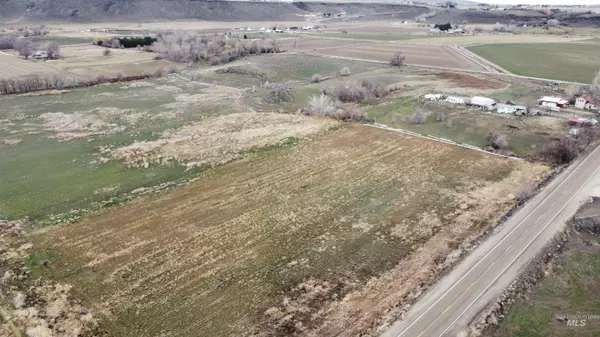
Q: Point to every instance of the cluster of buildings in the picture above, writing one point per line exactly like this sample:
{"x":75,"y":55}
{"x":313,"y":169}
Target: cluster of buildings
{"x":484,"y":103}
{"x":583,"y":102}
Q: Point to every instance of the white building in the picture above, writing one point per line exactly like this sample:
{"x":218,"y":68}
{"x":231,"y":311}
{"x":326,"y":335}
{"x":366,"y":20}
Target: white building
{"x":552,"y":102}
{"x":432,"y":97}
{"x":586,"y":102}
{"x":483,"y":102}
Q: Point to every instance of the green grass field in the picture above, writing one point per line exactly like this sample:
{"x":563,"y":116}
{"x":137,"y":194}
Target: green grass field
{"x":376,"y":37}
{"x":41,"y":176}
{"x":566,"y":62}
{"x":571,"y":290}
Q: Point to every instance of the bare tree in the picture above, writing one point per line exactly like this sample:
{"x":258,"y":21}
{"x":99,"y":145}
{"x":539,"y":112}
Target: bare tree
{"x":7,"y":42}
{"x":275,"y":44}
{"x":316,"y":78}
{"x":572,"y":91}
{"x":562,"y":151}
{"x":115,"y":43}
{"x":440,"y":116}
{"x":478,"y":30}
{"x":345,"y":71}
{"x":553,"y":23}
{"x":595,"y":87}
{"x":24,"y":47}
{"x":398,"y":59}
{"x":524,"y":191}
{"x":419,"y":116}
{"x":52,"y":49}
{"x":321,"y":105}
{"x":498,"y":141}
{"x":449,"y":123}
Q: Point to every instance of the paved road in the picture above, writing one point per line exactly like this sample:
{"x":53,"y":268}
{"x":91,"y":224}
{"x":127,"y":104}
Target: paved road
{"x":481,"y":277}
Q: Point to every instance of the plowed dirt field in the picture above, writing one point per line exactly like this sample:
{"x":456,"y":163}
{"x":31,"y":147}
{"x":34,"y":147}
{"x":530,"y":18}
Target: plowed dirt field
{"x":262,"y":244}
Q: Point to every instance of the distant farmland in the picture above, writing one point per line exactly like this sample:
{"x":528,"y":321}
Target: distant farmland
{"x":426,"y":55}
{"x":576,"y":62}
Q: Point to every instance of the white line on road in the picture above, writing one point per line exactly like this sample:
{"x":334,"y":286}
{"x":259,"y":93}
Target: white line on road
{"x":493,"y":248}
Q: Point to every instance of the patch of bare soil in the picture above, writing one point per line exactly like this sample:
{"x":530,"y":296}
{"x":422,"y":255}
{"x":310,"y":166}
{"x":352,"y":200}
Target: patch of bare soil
{"x":220,"y":139}
{"x":45,"y":93}
{"x":82,"y":124}
{"x":211,"y":95}
{"x":36,"y":308}
{"x":469,"y":81}
{"x":137,"y":84}
{"x":384,"y":299}
{"x":11,"y":141}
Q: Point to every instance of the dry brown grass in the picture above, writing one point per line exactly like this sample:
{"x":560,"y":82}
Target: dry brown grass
{"x":221,"y":139}
{"x":311,"y":223}
{"x":82,"y":124}
{"x":13,"y":66}
{"x":470,"y":81}
{"x":438,"y":56}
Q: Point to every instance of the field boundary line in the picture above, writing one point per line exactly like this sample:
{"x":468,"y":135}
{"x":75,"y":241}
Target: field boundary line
{"x":438,"y":139}
{"x":439,"y":68}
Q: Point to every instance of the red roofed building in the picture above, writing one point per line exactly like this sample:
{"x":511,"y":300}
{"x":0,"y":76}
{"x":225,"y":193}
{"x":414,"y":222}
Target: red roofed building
{"x":586,"y":102}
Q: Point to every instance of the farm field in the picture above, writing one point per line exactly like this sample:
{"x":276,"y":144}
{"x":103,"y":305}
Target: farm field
{"x":84,"y":62}
{"x":367,"y":36}
{"x":72,"y":135}
{"x":88,"y":61}
{"x":487,"y":38}
{"x":14,"y":67}
{"x":309,"y":43}
{"x":437,"y":56}
{"x":208,"y":200}
{"x":237,"y":241}
{"x":573,"y":62}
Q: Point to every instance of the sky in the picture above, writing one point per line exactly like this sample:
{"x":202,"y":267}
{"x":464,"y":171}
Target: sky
{"x":549,"y":2}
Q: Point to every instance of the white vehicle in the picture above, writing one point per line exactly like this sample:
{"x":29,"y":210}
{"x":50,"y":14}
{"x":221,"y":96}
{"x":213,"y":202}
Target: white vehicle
{"x":455,"y":100}
{"x":432,"y":97}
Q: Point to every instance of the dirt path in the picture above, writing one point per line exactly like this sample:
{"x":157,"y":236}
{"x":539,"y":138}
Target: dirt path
{"x":437,"y":139}
{"x":239,"y":91}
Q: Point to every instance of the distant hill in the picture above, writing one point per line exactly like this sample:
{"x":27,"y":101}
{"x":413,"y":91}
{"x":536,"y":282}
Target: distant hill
{"x":143,"y":10}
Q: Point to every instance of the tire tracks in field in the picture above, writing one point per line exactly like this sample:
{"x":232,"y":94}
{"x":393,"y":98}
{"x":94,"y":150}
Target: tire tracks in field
{"x":237,"y":99}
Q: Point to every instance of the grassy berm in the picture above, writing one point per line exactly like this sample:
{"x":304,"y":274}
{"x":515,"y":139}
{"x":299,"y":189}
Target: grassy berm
{"x":572,"y":289}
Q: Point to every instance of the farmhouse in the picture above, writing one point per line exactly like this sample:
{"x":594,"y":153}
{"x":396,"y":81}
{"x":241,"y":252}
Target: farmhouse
{"x":552,"y":102}
{"x":483,"y":102}
{"x":586,"y":102}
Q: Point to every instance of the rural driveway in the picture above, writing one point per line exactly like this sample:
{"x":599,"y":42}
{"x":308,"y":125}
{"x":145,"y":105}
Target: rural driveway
{"x":448,"y":308}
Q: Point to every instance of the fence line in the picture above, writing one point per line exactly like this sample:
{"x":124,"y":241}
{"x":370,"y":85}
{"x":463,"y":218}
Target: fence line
{"x":438,"y":139}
